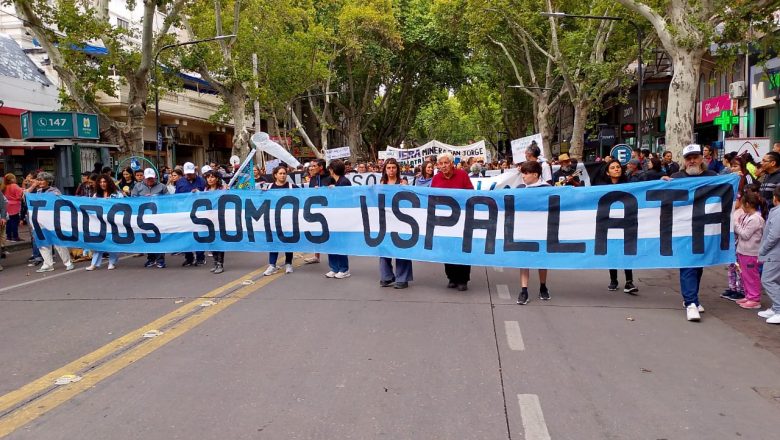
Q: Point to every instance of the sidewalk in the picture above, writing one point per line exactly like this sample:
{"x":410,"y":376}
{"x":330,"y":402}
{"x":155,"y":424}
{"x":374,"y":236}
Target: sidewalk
{"x":24,"y":234}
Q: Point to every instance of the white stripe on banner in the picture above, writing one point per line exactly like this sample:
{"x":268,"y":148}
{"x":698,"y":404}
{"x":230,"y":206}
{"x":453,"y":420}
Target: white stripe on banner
{"x":682,"y":223}
{"x":571,"y":224}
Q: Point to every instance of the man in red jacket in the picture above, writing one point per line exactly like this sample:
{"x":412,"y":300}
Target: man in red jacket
{"x":450,"y":177}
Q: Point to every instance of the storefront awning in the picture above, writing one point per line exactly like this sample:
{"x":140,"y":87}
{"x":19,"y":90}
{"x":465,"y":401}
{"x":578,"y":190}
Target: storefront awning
{"x":49,"y":145}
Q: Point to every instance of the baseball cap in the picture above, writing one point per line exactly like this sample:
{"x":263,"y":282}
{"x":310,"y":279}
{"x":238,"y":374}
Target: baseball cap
{"x":692,"y":149}
{"x":149,"y":173}
{"x":205,"y":169}
{"x":189,"y":168}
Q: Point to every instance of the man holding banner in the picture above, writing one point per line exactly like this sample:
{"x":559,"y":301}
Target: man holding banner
{"x":449,"y":177}
{"x":690,"y":277}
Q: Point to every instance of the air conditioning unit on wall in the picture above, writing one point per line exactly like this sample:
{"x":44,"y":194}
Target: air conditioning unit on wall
{"x":737,"y":90}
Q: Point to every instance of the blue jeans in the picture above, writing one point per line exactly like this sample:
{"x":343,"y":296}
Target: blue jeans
{"x":338,"y":263}
{"x":273,"y":256}
{"x":403,"y":270}
{"x":36,"y":253}
{"x":690,"y":277}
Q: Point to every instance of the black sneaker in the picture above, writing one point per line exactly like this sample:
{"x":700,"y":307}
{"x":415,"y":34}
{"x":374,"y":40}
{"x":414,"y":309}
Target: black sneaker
{"x":727,"y":294}
{"x":630,"y":288}
{"x":736,"y":296}
{"x":544,"y":294}
{"x":522,"y":299}
{"x":386,"y":283}
{"x":451,"y":285}
{"x":150,"y":263}
{"x":613,"y":285}
{"x":187,"y":263}
{"x":200,"y":262}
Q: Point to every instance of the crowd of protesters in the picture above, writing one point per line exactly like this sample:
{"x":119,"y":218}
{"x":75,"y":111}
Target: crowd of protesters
{"x":756,"y":222}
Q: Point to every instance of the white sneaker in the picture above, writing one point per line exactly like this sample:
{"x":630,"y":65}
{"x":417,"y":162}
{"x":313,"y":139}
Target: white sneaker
{"x":70,"y":266}
{"x":288,"y":268}
{"x":768,"y":313}
{"x":774,"y":319}
{"x":330,"y":274}
{"x":111,"y":267}
{"x":272,"y":269}
{"x":701,"y":308}
{"x":43,"y":269}
{"x":342,"y":275}
{"x":692,"y":313}
{"x":90,"y":268}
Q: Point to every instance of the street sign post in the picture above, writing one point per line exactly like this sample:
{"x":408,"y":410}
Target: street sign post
{"x":621,"y":153}
{"x":59,"y":125}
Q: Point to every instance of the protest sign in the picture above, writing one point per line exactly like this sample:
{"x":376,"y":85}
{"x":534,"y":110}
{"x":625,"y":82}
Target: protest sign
{"x":519,"y":146}
{"x":337,"y":153}
{"x":659,"y":224}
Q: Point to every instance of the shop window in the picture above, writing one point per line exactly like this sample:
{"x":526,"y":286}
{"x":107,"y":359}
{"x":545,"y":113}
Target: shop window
{"x":713,"y":84}
{"x":702,"y":93}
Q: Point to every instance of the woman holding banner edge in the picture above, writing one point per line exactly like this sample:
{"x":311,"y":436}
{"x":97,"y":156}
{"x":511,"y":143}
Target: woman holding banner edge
{"x":403,"y":268}
{"x":339,"y":264}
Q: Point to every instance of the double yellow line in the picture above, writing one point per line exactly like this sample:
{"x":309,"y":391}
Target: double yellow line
{"x":20,"y":407}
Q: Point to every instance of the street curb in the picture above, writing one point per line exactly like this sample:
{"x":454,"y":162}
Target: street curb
{"x":18,"y":246}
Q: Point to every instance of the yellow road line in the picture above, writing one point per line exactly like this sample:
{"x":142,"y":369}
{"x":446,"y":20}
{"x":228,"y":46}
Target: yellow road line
{"x":26,"y":414}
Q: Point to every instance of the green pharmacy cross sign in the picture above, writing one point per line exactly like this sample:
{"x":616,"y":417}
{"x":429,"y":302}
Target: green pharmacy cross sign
{"x":59,"y":125}
{"x":727,"y":120}
{"x":774,"y":81}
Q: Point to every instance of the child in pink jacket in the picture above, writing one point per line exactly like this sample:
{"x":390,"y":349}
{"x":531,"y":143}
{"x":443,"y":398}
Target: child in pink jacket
{"x":748,"y":228}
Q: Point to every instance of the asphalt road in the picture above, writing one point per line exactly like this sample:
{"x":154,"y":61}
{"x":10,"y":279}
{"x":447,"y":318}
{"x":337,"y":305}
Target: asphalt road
{"x":304,"y":357}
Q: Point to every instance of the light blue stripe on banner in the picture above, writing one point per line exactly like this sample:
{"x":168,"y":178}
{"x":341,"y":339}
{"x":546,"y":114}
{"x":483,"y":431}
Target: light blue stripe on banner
{"x":450,"y":250}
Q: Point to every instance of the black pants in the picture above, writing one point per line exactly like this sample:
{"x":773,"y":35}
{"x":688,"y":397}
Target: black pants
{"x":219,"y":257}
{"x":200,"y":255}
{"x":458,"y":273}
{"x":613,"y":275}
{"x":157,"y":258}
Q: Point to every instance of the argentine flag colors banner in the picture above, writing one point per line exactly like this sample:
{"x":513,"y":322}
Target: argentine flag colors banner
{"x":680,"y":223}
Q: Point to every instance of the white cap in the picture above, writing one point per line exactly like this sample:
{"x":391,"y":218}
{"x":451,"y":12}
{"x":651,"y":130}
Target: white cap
{"x":189,"y":168}
{"x":205,"y":169}
{"x":235,"y":160}
{"x":150,"y":174}
{"x":692,"y":149}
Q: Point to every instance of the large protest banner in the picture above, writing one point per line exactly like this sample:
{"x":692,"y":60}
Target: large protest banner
{"x":681,"y":223}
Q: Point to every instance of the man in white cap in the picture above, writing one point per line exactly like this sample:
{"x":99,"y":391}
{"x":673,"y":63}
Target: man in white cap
{"x":148,"y":188}
{"x":690,"y":277}
{"x":189,"y":184}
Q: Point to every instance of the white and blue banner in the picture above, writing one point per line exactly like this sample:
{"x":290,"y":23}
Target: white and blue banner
{"x":660,"y":224}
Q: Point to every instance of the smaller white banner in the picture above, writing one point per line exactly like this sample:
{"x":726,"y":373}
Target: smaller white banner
{"x":337,"y":153}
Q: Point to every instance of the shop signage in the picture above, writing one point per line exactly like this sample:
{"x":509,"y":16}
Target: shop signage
{"x":726,"y":120}
{"x":711,"y":108}
{"x":774,"y":80}
{"x":59,"y":125}
{"x":628,"y":130}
